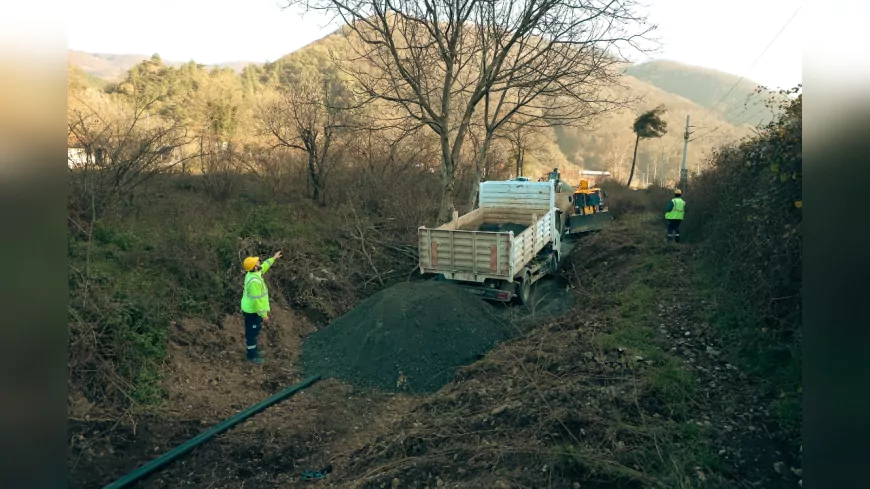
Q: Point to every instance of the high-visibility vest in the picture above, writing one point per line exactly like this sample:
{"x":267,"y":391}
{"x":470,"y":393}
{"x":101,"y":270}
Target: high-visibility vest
{"x":255,"y":297}
{"x":678,"y":211}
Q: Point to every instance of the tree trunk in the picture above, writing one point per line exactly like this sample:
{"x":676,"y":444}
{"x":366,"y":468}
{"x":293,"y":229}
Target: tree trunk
{"x":447,"y":183}
{"x":519,"y":158}
{"x":633,"y":160}
{"x":313,"y":175}
{"x":448,"y":170}
{"x":478,"y":170}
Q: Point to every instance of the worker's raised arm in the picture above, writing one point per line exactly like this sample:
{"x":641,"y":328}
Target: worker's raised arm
{"x":268,"y":263}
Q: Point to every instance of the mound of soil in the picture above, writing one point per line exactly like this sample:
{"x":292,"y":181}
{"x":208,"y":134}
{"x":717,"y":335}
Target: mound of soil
{"x":409,"y":337}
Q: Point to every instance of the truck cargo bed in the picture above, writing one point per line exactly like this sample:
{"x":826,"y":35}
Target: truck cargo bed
{"x":514,"y":223}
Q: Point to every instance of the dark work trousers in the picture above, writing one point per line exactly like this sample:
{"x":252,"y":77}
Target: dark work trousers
{"x":253,"y":325}
{"x":674,"y":229}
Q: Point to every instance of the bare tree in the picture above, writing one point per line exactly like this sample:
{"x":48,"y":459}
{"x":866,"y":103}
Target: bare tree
{"x":122,"y":150}
{"x":219,"y":164}
{"x":307,"y":116}
{"x":439,"y":59}
{"x":272,"y":166}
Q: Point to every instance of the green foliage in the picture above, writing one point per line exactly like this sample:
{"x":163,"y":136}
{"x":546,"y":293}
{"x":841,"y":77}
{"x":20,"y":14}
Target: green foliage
{"x":749,"y":205}
{"x":179,"y":257}
{"x":650,"y":124}
{"x":634,"y":328}
{"x":124,"y":241}
{"x":630,"y":273}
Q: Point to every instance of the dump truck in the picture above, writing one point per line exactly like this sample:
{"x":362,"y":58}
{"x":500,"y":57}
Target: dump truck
{"x":589,"y":211}
{"x":500,"y":249}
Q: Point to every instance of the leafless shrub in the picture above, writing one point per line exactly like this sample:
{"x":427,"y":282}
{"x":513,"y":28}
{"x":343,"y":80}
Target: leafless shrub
{"x":119,"y":150}
{"x":220,"y":165}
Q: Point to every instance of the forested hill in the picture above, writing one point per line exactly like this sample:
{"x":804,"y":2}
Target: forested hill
{"x":683,"y":89}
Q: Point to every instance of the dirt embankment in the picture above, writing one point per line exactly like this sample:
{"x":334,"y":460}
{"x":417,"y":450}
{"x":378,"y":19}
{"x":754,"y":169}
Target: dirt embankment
{"x":632,"y":388}
{"x":207,"y":380}
{"x":408,"y":338}
{"x":629,"y":388}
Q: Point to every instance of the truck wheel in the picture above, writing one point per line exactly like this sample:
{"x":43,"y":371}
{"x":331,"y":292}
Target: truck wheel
{"x":524,"y":292}
{"x":554,"y":264}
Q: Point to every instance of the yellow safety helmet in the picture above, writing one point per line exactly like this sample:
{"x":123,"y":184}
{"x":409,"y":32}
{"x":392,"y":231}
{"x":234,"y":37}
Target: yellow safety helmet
{"x":250,"y":262}
{"x":678,"y":192}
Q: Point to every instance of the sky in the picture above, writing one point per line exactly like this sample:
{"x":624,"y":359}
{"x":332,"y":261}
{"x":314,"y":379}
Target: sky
{"x":723,"y":35}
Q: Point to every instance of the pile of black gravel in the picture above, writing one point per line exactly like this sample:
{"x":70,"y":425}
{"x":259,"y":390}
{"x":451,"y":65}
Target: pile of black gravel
{"x":409,"y":337}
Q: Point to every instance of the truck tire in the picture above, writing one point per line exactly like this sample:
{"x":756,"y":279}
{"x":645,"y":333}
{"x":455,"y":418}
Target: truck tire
{"x":554,"y":264}
{"x":524,"y":292}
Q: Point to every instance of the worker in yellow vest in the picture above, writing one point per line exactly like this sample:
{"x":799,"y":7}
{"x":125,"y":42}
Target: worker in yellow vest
{"x":674,"y":214}
{"x":255,"y":302}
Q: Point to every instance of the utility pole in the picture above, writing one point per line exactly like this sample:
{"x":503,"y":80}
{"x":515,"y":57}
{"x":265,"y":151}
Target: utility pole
{"x":683,"y":171}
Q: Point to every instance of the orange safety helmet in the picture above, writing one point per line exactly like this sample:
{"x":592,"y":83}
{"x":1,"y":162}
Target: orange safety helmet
{"x":250,"y":262}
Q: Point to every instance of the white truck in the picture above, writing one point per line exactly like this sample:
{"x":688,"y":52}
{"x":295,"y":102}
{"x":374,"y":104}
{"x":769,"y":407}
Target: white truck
{"x":501,"y":248}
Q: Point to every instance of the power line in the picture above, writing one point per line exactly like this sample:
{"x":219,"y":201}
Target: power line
{"x":741,"y":109}
{"x":756,"y":59}
{"x":738,"y":124}
{"x":738,"y":115}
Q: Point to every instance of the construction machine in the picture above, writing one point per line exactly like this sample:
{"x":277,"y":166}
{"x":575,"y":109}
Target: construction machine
{"x":589,"y":212}
{"x":564,"y":199}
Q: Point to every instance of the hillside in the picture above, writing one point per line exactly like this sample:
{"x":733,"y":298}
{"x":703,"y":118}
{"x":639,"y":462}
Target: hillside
{"x":110,"y":67}
{"x":610,"y":143}
{"x":114,"y":67}
{"x":707,"y":87}
{"x":683,"y":89}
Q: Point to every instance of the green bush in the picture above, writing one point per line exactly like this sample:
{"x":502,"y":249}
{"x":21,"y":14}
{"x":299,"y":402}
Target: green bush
{"x":179,"y":255}
{"x":747,"y":212}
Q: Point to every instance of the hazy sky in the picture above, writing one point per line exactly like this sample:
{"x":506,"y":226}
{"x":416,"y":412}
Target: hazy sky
{"x":725,"y":35}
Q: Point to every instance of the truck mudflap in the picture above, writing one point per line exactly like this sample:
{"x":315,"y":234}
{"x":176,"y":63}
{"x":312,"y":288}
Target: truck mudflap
{"x":490,"y":294}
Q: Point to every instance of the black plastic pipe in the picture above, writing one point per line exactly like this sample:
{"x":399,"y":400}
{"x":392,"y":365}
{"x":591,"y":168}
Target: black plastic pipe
{"x":183,"y":449}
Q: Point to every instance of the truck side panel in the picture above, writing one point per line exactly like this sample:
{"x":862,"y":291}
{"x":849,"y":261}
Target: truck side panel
{"x":475,"y":255}
{"x":529,"y":242}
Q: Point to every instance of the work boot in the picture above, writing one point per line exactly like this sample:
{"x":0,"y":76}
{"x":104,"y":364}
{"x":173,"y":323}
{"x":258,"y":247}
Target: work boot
{"x":256,"y":360}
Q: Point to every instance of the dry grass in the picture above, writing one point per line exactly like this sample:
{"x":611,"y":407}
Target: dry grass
{"x":593,"y":398}
{"x":622,"y":200}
